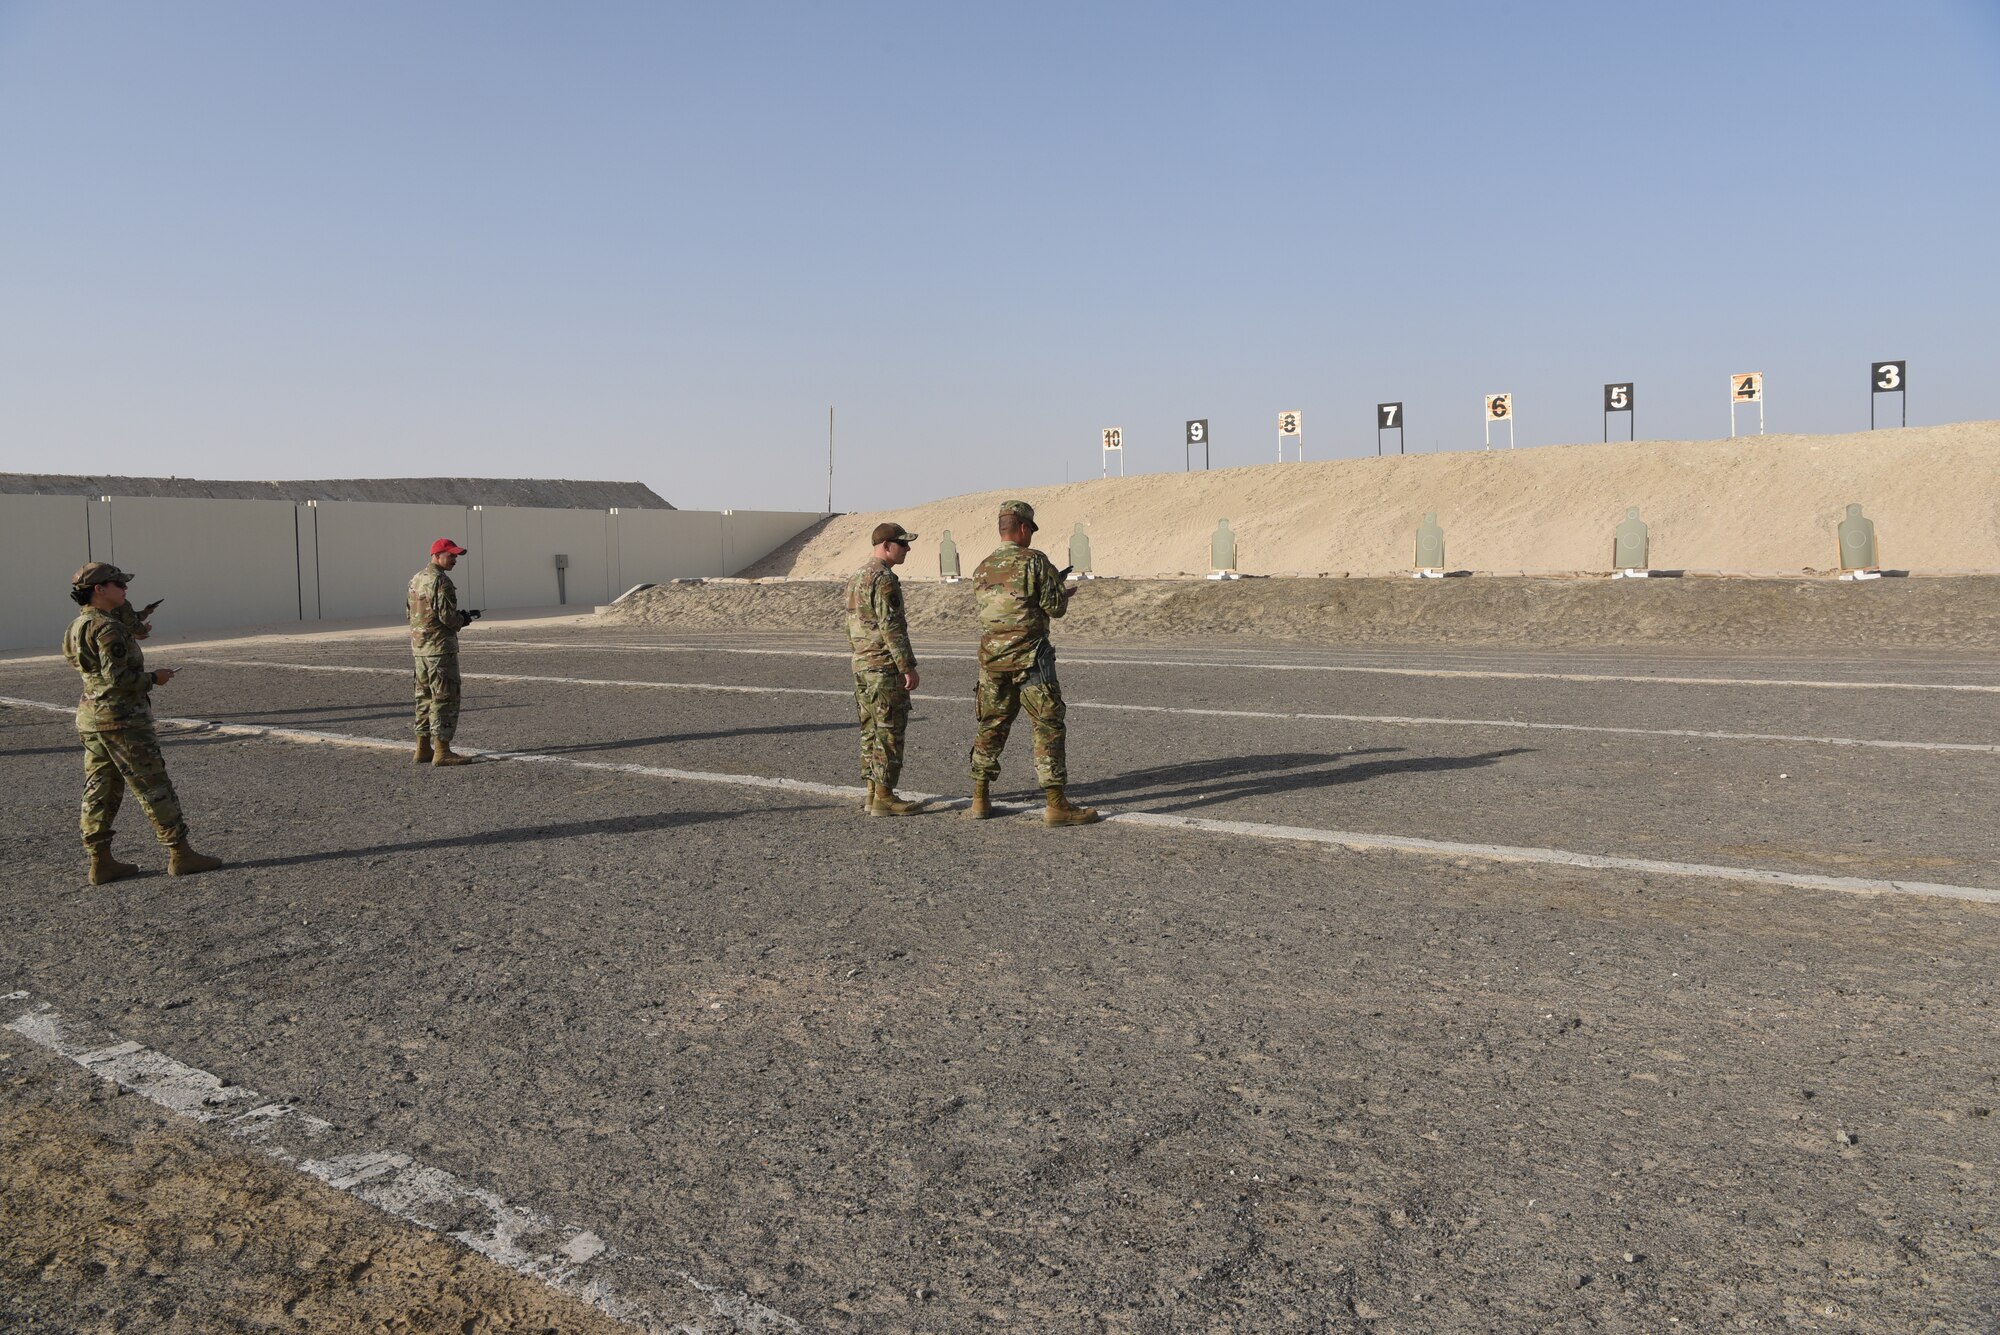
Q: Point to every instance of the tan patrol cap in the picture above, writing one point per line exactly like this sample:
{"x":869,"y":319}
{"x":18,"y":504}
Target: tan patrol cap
{"x":1020,"y":510}
{"x":96,"y":573}
{"x":891,"y":533}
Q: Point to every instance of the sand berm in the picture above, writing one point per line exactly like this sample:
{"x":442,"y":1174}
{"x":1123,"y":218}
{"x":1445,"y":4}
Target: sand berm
{"x":1339,"y":538}
{"x":1758,"y":504}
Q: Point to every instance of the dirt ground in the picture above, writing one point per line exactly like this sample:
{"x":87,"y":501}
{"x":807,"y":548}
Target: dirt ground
{"x":1775,"y":615}
{"x":116,"y":1217}
{"x":936,"y":1076}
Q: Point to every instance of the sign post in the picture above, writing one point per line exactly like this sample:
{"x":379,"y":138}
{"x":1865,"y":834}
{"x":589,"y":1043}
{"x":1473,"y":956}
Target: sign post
{"x":1114,"y":443}
{"x":1499,"y":408}
{"x":1388,"y":417}
{"x":1746,"y":387}
{"x":1292,"y":425}
{"x":1618,"y":399}
{"x":1197,"y":434}
{"x":1888,"y":378}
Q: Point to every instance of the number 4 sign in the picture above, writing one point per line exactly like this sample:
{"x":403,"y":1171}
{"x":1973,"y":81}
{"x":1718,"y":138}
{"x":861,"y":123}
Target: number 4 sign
{"x":1746,"y":387}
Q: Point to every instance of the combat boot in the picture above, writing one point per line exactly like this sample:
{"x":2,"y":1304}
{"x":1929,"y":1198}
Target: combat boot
{"x":182,"y":860}
{"x":444,"y":755}
{"x":868,"y":800}
{"x":982,"y":801}
{"x":1060,"y":812}
{"x":104,"y":869}
{"x":423,"y":755}
{"x":886,"y":803}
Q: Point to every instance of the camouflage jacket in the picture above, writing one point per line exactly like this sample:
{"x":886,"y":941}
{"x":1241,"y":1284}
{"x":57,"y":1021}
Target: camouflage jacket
{"x":117,"y":688}
{"x":434,"y":616}
{"x":876,"y":628}
{"x":1018,"y":589}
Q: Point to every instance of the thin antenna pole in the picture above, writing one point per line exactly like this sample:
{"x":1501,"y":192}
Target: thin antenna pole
{"x":829,"y":458}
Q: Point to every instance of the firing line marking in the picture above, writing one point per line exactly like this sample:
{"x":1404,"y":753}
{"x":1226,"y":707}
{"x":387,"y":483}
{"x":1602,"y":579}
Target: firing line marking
{"x":1392,"y":720}
{"x":1851,"y":885}
{"x":566,"y":1257}
{"x":1482,"y":674}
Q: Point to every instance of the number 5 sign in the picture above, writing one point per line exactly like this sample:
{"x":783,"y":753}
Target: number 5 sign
{"x":1746,"y":387}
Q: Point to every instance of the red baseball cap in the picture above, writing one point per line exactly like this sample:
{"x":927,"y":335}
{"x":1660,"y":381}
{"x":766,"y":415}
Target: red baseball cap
{"x":443,"y":545}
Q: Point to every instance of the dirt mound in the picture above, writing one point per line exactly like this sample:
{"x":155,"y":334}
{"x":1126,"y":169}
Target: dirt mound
{"x":1760,"y":504}
{"x":1944,"y":613}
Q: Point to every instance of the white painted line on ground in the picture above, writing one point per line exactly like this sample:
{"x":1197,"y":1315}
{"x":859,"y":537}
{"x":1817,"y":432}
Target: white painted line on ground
{"x":1392,"y":720}
{"x":1314,"y":667}
{"x":528,"y":1242}
{"x":1434,"y":847}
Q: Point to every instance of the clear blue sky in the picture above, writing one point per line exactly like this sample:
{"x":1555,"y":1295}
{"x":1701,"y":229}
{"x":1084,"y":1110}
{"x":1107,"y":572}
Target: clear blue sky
{"x":655,"y":241}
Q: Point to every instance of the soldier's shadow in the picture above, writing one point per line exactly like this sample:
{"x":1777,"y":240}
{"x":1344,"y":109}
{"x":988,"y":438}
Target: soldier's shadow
{"x":668,"y":739}
{"x":525,"y":834}
{"x":1210,"y":782}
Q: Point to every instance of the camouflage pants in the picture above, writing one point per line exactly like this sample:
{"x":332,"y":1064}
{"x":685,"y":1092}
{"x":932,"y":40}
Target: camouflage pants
{"x":884,"y":706}
{"x":437,"y":695}
{"x":116,"y":759}
{"x":1001,"y":696}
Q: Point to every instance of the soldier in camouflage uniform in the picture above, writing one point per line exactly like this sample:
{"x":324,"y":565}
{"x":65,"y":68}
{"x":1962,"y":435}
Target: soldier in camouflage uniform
{"x":1018,"y":589}
{"x":885,"y":668}
{"x":115,"y":720}
{"x":435,"y":622}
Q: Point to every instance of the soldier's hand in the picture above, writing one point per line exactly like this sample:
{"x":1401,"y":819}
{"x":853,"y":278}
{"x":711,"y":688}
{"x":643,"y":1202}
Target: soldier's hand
{"x":471,"y":615}
{"x":161,"y":676}
{"x":910,"y":680}
{"x":142,"y":631}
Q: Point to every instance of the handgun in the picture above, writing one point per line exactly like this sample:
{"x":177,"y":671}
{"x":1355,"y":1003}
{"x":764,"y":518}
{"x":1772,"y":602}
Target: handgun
{"x":147,"y":611}
{"x":471,"y":614}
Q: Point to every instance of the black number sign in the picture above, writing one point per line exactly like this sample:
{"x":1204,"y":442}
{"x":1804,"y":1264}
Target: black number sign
{"x":1197,"y":431}
{"x":1618,"y":398}
{"x":1388,"y":416}
{"x":1888,"y":377}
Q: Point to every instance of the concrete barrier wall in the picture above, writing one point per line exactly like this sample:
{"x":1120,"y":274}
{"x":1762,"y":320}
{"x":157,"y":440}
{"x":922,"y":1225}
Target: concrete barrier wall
{"x":367,"y":552}
{"x":217,"y":563}
{"x":516,"y":555}
{"x":43,"y":540}
{"x":224,"y":563}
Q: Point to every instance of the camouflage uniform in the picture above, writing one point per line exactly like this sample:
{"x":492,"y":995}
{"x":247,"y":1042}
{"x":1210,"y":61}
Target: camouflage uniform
{"x":115,"y":720}
{"x":434,"y":625}
{"x":1018,"y":589}
{"x":880,"y":638}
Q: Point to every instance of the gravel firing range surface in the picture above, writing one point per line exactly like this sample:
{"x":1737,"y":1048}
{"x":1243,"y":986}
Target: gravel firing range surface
{"x":925,"y":1075}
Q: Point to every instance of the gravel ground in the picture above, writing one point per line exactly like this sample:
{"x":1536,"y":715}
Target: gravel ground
{"x":926,"y":1075}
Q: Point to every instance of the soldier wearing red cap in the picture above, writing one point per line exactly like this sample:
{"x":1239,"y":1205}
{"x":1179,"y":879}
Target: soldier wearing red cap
{"x":115,"y":720}
{"x":434,"y":625}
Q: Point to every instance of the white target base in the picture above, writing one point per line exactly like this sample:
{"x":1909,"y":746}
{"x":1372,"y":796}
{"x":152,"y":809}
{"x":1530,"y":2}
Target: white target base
{"x":1861,"y":574}
{"x":1427,"y":574}
{"x":1631,"y":574}
{"x":950,"y":579}
{"x":1224,"y":574}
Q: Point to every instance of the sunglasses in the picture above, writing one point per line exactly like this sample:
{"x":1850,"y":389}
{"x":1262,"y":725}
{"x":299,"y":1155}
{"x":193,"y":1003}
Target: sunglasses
{"x":119,"y":583}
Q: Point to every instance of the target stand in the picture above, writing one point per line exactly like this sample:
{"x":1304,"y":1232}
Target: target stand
{"x":1389,"y":417}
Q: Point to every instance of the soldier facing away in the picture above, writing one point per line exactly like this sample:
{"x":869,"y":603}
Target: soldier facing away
{"x":115,"y":720}
{"x":1018,"y":589}
{"x":434,"y":625}
{"x":885,"y":667}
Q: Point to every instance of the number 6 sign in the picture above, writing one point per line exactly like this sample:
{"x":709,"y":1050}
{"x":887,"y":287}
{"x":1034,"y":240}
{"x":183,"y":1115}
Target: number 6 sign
{"x":1499,"y":408}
